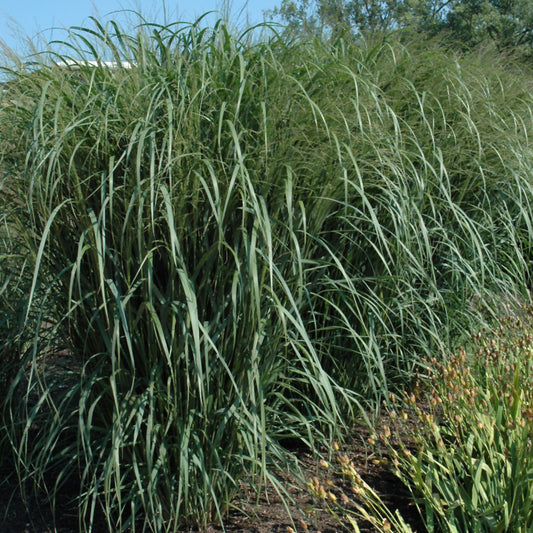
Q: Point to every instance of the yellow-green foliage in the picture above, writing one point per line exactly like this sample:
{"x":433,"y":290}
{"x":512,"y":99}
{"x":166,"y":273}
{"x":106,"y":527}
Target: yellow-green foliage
{"x":470,"y":463}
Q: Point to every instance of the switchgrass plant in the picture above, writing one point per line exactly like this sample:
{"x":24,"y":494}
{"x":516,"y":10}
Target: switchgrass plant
{"x":470,"y":466}
{"x":158,"y":261}
{"x":236,"y":240}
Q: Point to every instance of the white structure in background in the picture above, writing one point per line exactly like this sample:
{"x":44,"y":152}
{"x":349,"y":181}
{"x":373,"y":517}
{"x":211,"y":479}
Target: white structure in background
{"x":75,"y":65}
{"x":72,"y":64}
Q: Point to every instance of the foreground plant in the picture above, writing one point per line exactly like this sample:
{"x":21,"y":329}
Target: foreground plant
{"x":470,"y":463}
{"x":350,"y":499}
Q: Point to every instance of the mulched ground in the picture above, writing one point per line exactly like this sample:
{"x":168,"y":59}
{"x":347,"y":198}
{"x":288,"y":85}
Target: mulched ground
{"x":268,"y":515}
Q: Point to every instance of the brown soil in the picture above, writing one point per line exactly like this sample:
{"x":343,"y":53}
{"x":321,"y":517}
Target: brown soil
{"x":267,"y":515}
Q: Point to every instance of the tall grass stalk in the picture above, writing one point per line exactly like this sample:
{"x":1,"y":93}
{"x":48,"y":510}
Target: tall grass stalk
{"x":236,"y":241}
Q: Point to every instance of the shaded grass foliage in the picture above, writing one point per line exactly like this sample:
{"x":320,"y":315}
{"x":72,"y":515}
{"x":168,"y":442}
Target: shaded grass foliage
{"x":237,"y":240}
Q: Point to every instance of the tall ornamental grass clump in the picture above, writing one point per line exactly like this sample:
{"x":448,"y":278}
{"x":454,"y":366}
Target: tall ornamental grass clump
{"x":235,"y":241}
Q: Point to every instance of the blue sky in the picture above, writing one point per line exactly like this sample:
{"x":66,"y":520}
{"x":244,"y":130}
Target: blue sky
{"x":34,"y":18}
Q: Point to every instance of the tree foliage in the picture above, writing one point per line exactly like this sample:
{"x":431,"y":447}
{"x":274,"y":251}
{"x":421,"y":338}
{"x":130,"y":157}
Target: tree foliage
{"x":508,"y":23}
